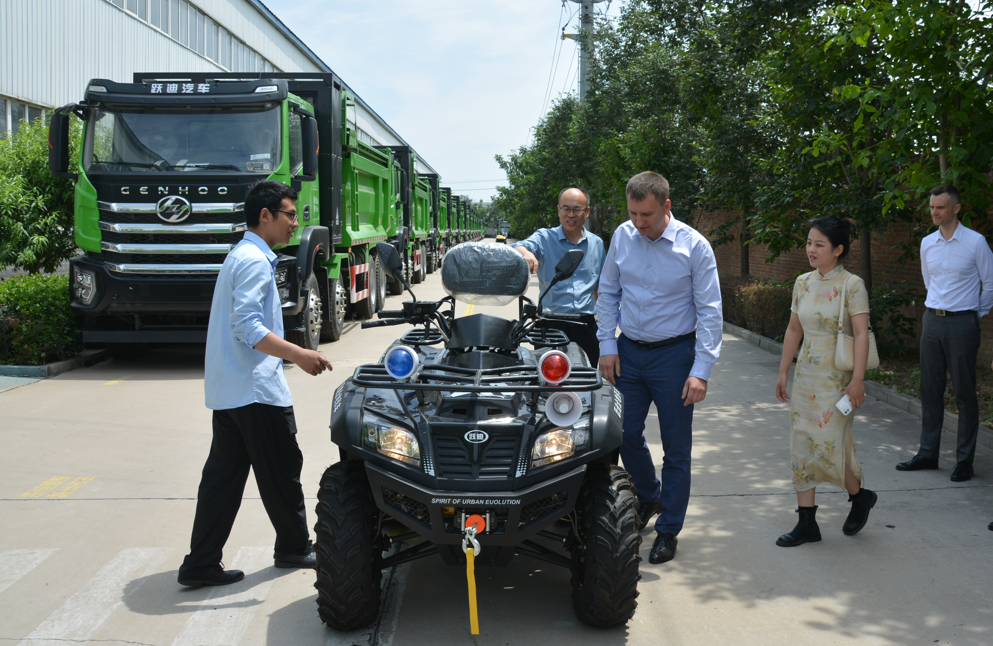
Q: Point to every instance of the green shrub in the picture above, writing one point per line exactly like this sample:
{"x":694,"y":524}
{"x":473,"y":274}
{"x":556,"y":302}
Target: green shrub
{"x":731,"y":298}
{"x":36,"y":208}
{"x":36,"y":324}
{"x":895,"y":330}
{"x":765,"y":308}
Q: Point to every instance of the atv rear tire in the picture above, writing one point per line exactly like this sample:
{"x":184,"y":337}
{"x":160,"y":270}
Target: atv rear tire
{"x":348,"y":577}
{"x":605,"y":584}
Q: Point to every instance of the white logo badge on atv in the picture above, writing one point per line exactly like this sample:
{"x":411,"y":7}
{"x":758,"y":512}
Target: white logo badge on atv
{"x":477,"y":437}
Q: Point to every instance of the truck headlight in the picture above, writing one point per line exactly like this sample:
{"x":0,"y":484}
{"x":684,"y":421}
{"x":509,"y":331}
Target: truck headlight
{"x":84,"y":285}
{"x":282,"y":275}
{"x":393,"y":442}
{"x":560,"y":443}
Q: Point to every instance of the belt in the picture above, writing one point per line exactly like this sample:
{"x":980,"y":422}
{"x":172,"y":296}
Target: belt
{"x":661,"y":344}
{"x":947,"y":313}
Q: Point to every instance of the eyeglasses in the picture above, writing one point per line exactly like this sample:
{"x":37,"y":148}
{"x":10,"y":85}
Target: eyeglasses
{"x":293,"y":216}
{"x":577,"y":210}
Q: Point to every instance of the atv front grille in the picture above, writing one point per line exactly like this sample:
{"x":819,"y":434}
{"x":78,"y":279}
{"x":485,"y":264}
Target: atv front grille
{"x":407,"y":506}
{"x":454,"y":458}
{"x":545,"y":507}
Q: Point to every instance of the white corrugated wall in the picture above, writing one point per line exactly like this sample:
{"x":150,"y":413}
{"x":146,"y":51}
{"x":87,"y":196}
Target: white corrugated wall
{"x":49,"y":49}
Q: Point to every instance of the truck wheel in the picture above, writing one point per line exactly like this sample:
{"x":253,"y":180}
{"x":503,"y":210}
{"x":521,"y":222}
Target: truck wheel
{"x":395,"y":287}
{"x":381,"y":281}
{"x":348,"y":578}
{"x":431,"y":263}
{"x":331,"y":329}
{"x":417,"y":267}
{"x":605,"y":583}
{"x":310,"y":337}
{"x":366,"y":308}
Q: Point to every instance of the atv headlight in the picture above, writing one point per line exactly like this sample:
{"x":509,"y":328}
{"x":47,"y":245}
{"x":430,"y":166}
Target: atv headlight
{"x":393,"y":442}
{"x":560,"y":443}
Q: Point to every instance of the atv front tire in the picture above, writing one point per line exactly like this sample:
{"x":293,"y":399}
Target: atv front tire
{"x":605,"y":583}
{"x":348,"y":576}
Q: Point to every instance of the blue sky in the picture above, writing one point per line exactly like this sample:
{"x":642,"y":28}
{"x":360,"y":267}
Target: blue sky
{"x":460,"y":80}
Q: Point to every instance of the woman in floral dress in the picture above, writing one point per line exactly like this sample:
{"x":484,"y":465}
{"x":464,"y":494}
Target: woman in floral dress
{"x":821,"y":445}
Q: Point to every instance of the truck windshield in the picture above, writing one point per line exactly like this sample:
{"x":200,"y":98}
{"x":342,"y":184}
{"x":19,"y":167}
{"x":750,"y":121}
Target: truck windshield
{"x":228,"y":139}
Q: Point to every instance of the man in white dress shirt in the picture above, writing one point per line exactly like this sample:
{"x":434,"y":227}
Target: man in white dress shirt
{"x":659,"y":285}
{"x":955,"y":262}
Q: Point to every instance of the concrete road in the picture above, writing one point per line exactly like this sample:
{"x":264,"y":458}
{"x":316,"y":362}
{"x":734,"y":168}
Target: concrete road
{"x":100,"y":467}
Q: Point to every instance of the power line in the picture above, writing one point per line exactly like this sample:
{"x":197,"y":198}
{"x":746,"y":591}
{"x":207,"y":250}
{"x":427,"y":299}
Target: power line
{"x":548,"y":84}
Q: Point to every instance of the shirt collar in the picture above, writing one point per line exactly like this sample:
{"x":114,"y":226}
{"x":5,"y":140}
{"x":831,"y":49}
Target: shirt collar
{"x":562,"y":235}
{"x":670,"y":230}
{"x":255,"y":239}
{"x":831,"y":274}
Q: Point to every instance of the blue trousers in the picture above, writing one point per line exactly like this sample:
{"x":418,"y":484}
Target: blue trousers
{"x":658,"y":376}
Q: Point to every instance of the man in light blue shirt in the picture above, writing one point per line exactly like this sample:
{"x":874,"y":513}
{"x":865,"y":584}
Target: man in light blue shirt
{"x":659,"y":285}
{"x":577,"y":294}
{"x":253,"y":422}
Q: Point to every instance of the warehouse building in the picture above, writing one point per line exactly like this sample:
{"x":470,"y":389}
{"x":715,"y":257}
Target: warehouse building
{"x":49,"y":49}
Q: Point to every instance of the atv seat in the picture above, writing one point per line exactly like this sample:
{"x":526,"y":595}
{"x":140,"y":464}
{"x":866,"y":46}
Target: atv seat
{"x":484,"y":273}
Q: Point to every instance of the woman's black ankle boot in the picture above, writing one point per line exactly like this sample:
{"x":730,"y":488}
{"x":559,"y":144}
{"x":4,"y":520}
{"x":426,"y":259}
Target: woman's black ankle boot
{"x":806,"y":530}
{"x":862,"y":502}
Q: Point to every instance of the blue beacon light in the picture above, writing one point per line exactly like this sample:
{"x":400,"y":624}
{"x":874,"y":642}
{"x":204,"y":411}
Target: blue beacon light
{"x":401,"y":362}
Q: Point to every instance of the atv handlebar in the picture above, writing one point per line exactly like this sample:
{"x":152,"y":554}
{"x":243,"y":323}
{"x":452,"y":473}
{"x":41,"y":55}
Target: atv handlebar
{"x":383,"y":323}
{"x":390,"y":314}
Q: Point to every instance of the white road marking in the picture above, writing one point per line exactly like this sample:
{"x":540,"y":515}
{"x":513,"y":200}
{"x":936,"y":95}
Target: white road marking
{"x":225,"y":614}
{"x":381,"y":632}
{"x":16,"y":563}
{"x":89,"y":608}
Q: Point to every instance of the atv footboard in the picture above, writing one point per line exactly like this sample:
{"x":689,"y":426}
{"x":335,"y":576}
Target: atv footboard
{"x":512,"y":517}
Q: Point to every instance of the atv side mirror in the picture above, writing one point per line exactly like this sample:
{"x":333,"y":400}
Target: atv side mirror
{"x":569,"y":263}
{"x":566,"y":267}
{"x":388,"y":255}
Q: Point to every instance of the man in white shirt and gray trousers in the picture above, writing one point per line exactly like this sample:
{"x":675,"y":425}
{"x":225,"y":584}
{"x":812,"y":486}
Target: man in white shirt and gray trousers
{"x":955,"y":262}
{"x":659,"y":285}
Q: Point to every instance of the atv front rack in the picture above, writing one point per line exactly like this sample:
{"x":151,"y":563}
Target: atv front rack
{"x":435,"y":376}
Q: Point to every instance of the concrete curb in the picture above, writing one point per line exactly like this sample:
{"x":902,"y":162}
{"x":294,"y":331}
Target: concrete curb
{"x":878,"y":391}
{"x":84,"y":358}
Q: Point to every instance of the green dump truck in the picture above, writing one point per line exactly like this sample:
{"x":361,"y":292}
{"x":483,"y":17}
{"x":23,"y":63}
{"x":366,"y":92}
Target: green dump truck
{"x":160,"y":182}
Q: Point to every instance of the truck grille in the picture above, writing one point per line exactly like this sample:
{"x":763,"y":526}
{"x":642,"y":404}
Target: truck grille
{"x":454,"y":458}
{"x":135,"y":241}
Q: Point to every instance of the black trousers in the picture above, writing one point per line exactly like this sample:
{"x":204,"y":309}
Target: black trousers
{"x":263,"y":438}
{"x":949,"y":344}
{"x":584,"y":336}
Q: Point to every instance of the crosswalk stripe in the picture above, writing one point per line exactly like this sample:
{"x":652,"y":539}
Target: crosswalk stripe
{"x":225,"y":614}
{"x":89,"y":608}
{"x":16,"y":563}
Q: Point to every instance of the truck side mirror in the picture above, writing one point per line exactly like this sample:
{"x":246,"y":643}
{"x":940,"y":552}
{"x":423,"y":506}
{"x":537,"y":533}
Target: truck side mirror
{"x":311,"y":146}
{"x":58,"y":142}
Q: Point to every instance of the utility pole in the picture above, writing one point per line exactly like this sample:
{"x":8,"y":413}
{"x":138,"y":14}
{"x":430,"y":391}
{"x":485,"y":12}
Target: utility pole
{"x":585,"y":31}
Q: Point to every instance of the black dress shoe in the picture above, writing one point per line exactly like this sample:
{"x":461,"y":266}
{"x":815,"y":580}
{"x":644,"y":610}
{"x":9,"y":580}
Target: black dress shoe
{"x":990,"y":527}
{"x":663,"y":549}
{"x":308,"y":560}
{"x":646,"y":510}
{"x":963,"y":471}
{"x":214,"y":576}
{"x":917,"y":463}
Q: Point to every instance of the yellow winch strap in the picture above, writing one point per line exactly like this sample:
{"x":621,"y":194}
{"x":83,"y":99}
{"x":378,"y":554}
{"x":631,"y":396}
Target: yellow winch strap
{"x":470,"y":573}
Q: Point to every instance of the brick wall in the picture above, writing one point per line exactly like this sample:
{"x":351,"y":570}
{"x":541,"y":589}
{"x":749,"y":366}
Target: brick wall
{"x":885,"y":267}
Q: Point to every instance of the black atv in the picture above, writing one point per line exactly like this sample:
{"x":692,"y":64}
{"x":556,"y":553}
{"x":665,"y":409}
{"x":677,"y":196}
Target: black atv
{"x":463,"y":436}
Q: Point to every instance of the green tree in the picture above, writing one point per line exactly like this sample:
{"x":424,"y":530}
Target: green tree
{"x":36,"y":208}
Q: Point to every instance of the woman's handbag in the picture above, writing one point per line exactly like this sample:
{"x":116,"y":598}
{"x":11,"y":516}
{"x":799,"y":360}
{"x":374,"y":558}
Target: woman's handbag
{"x":844,"y":355}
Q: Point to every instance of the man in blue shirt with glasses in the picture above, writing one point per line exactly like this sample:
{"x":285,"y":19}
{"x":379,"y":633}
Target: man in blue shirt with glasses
{"x":576,"y":295}
{"x":253,"y":422}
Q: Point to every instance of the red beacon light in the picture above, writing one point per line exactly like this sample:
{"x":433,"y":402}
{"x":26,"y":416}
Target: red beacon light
{"x":554,"y":367}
